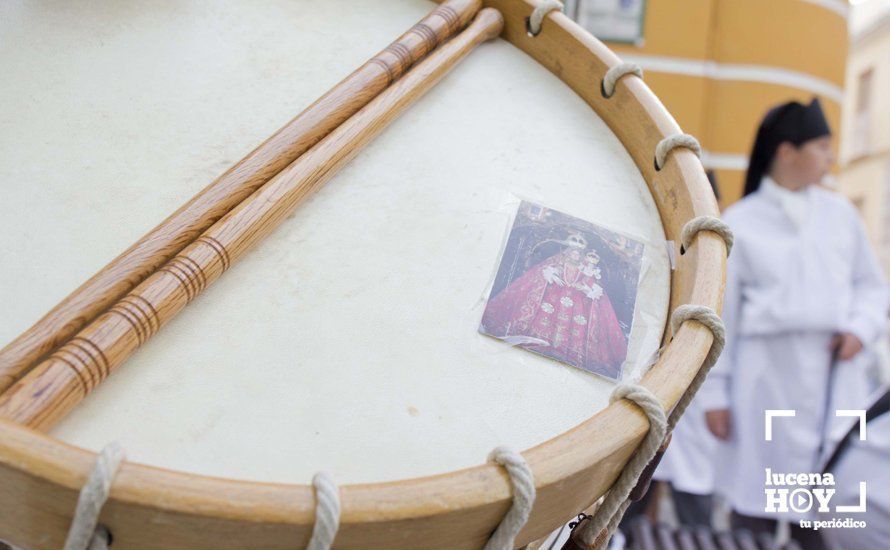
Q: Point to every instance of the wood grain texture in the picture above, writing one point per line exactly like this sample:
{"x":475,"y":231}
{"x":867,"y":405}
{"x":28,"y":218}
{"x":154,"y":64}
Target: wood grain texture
{"x":52,"y":388}
{"x":173,"y":234}
{"x":155,"y":508}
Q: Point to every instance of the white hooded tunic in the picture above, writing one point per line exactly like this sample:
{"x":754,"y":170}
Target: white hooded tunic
{"x":801,"y":270}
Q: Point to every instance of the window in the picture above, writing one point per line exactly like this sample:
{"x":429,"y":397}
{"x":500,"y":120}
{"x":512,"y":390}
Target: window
{"x":862,"y":114}
{"x":611,"y":20}
{"x":885,"y":230}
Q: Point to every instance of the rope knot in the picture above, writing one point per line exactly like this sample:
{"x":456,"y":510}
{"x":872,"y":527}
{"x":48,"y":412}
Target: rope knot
{"x":523,"y":484}
{"x":536,"y":19}
{"x":670,"y":143}
{"x":609,"y":514}
{"x":702,"y":314}
{"x":706,"y":223}
{"x":327,"y":511}
{"x":85,"y":531}
{"x":616,"y":73}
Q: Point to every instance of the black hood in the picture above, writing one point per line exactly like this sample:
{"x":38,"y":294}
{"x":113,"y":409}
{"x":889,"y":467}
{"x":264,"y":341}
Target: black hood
{"x":793,"y":122}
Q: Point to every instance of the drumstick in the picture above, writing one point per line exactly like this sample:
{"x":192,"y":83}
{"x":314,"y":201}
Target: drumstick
{"x":56,"y":385}
{"x":183,"y":226}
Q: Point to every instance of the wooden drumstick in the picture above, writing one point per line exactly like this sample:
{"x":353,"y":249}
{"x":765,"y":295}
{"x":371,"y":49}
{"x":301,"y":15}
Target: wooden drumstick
{"x":56,"y":385}
{"x":183,"y":226}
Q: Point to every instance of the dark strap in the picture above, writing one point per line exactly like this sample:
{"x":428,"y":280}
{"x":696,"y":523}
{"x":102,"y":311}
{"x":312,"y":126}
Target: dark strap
{"x":645,"y":479}
{"x":879,"y":407}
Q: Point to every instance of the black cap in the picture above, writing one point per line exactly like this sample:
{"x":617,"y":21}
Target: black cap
{"x":793,"y":122}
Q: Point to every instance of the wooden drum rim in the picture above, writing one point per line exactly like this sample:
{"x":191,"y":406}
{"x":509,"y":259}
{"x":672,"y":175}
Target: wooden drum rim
{"x":456,"y":509}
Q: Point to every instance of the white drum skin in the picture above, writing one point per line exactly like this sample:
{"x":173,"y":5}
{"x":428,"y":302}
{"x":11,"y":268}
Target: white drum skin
{"x":347,"y":340}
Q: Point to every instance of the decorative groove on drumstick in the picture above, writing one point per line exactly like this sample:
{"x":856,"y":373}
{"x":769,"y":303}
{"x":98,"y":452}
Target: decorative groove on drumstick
{"x":451,"y":18}
{"x":48,"y":392}
{"x":80,"y":373}
{"x":86,"y":359}
{"x":143,"y":316}
{"x":132,"y":318}
{"x":148,"y":312}
{"x":390,"y":75}
{"x":219,"y":249}
{"x":95,"y":354}
{"x":189,"y":275}
{"x":79,"y":365}
{"x":403,"y":57}
{"x":166,"y":240}
{"x":197,"y":271}
{"x":181,"y":278}
{"x":424,"y":32}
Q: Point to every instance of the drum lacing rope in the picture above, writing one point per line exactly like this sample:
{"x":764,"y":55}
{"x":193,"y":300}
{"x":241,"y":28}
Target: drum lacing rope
{"x":709,"y":318}
{"x":670,"y":143}
{"x":84,"y":533}
{"x":327,"y":512}
{"x":616,"y":73}
{"x":540,"y":12}
{"x":610,"y":512}
{"x":598,"y":529}
{"x":523,"y":483}
{"x":705,"y":223}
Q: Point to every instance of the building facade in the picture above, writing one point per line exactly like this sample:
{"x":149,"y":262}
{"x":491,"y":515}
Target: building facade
{"x":718,"y":65}
{"x":865,"y":144}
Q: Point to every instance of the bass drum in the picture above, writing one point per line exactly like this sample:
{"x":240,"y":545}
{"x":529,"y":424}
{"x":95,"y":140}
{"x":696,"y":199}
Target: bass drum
{"x":348,"y":341}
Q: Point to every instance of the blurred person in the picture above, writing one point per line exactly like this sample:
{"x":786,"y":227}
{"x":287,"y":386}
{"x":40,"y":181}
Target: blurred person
{"x":688,"y":468}
{"x":804,"y":292}
{"x":854,"y":461}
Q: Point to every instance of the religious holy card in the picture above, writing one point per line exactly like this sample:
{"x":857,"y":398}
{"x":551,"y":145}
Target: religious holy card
{"x":566,"y":289}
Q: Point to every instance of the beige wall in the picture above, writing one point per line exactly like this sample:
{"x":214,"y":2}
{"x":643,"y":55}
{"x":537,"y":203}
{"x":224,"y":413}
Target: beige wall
{"x":865,"y":138}
{"x":870,"y":51}
{"x":862,"y":182}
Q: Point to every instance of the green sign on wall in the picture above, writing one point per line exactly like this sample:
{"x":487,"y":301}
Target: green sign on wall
{"x":610,"y":20}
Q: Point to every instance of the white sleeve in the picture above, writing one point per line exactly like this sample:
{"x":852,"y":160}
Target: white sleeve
{"x":714,"y":393}
{"x":867,"y":318}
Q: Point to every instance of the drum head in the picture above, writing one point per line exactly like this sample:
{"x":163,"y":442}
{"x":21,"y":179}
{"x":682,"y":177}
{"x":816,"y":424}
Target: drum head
{"x":347,"y":341}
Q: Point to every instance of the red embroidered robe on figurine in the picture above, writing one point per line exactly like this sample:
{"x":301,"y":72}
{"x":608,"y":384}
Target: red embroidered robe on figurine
{"x":558,"y":309}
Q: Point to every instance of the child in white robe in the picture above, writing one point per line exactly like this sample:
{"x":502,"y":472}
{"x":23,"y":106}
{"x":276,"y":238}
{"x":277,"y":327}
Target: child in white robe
{"x":804,"y":294}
